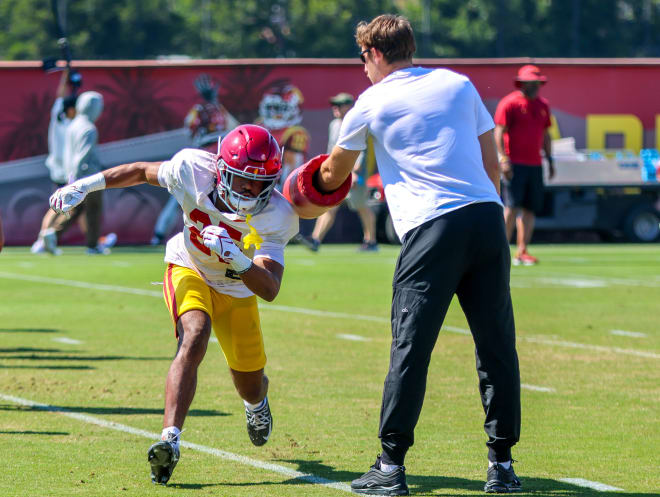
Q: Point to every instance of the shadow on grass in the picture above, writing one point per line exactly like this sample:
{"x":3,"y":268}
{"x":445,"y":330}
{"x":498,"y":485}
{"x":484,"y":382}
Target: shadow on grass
{"x":28,"y":330}
{"x":126,"y":411}
{"x":15,"y":350}
{"x":435,"y":485}
{"x":29,"y":432}
{"x":68,"y":357}
{"x":45,"y":366}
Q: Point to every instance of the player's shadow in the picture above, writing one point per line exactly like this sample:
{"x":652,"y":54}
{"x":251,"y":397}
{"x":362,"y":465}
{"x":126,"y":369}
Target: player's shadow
{"x":54,"y":367}
{"x":30,"y":432}
{"x":16,"y":350}
{"x":92,"y":358}
{"x":28,"y":330}
{"x":121,"y":410}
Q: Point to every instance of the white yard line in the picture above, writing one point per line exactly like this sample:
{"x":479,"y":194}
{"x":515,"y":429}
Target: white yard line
{"x":595,"y":485}
{"x":247,"y":461}
{"x":71,"y":341}
{"x":536,"y":388}
{"x":354,"y":338}
{"x":624,"y":333}
{"x":314,"y":312}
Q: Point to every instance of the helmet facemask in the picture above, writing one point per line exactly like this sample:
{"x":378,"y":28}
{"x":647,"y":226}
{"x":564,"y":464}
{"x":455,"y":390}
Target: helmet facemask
{"x":240,"y":204}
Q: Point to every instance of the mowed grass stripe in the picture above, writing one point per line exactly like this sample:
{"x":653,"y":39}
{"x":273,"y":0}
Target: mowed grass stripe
{"x":276,"y":468}
{"x":341,"y":315}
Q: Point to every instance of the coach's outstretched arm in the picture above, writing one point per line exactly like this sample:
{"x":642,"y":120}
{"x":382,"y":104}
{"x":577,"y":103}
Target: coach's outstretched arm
{"x":336,"y":168}
{"x":66,"y":198}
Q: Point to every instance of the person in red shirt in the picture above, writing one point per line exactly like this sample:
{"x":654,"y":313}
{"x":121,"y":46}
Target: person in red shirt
{"x":522,"y":119}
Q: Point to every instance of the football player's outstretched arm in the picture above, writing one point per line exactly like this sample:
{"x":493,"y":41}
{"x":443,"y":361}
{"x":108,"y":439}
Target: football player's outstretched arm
{"x":336,"y":168}
{"x":66,"y":198}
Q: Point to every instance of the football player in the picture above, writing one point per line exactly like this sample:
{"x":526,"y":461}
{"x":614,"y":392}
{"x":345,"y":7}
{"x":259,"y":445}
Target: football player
{"x":236,"y":226}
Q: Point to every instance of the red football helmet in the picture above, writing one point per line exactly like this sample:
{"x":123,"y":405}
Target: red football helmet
{"x":248,"y":151}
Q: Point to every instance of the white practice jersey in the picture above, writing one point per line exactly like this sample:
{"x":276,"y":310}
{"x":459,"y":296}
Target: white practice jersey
{"x":190,"y":176}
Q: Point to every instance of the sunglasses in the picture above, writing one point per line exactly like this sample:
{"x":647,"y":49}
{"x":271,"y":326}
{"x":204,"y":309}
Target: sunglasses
{"x":364,"y":61}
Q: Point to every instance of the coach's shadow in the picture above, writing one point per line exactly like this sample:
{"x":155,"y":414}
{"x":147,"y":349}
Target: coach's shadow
{"x":435,"y":485}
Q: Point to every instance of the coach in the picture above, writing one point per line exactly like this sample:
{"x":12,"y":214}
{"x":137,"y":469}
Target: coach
{"x":436,"y":155}
{"x":523,"y":120}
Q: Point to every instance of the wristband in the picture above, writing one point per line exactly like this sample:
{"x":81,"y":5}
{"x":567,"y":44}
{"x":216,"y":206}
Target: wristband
{"x":241,"y":263}
{"x":92,"y":183}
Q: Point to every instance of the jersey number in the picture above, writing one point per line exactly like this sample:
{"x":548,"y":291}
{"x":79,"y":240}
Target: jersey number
{"x":197,"y":216}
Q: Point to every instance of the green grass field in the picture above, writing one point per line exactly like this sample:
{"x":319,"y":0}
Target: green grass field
{"x":87,"y":341}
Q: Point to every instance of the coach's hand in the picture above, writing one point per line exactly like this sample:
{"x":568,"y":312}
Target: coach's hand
{"x":218,"y":240}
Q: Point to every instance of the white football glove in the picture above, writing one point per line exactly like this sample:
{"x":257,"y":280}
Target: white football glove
{"x":218,"y":240}
{"x":66,"y":198}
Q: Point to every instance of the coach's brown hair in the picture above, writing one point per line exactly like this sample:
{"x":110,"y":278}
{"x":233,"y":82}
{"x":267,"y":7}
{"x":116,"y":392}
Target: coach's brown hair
{"x":392,"y":35}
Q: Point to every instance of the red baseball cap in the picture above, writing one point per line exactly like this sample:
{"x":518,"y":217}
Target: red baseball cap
{"x":529,"y":73}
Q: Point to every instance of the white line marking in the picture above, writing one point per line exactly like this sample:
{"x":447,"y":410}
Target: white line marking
{"x":535,"y":388}
{"x":455,"y":329}
{"x":71,"y":341}
{"x":574,"y":282}
{"x":601,"y":487}
{"x":652,"y":282}
{"x":625,"y":333}
{"x":355,"y":338}
{"x":275,"y":468}
{"x":80,"y":284}
{"x":213,"y":339}
{"x":314,"y":312}
{"x":598,"y":348}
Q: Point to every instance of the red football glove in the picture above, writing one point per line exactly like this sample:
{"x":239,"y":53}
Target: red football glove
{"x":306,"y":200}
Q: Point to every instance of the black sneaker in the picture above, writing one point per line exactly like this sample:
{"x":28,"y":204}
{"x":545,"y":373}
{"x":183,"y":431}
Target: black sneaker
{"x":163,"y":457}
{"x":502,"y":480}
{"x":259,"y":424}
{"x":377,"y":482}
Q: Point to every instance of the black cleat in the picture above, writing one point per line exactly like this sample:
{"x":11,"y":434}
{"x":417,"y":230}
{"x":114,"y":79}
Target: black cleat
{"x":502,"y":481}
{"x":377,"y":482}
{"x":259,"y":424}
{"x":163,"y":457}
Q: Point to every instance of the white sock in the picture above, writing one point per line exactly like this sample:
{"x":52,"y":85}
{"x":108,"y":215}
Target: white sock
{"x":505,"y":465}
{"x":174,"y":432}
{"x":255,"y":407}
{"x":387,"y":468}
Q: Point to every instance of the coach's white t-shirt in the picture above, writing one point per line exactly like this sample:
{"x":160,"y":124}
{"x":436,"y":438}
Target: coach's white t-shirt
{"x":425,"y":125}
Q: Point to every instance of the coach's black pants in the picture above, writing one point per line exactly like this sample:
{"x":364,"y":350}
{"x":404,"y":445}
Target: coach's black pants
{"x":464,"y":252}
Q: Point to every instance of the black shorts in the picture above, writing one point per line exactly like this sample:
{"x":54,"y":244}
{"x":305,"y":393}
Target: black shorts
{"x":525,"y":189}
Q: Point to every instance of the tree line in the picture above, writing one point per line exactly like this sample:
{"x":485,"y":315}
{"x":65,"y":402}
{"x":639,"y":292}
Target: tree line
{"x":145,"y":29}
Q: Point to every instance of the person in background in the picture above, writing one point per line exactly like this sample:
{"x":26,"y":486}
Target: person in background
{"x":2,"y":235}
{"x":522,"y":120}
{"x":357,"y":198}
{"x":61,"y":114}
{"x":433,"y":140}
{"x":80,"y":160}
